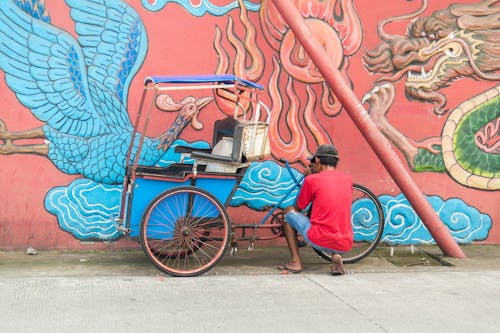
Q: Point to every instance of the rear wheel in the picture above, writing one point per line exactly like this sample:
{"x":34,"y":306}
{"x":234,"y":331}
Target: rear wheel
{"x":185,"y":231}
{"x":367,"y":218}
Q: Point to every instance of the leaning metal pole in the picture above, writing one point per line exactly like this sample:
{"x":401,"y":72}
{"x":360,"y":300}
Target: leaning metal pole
{"x":378,"y":142}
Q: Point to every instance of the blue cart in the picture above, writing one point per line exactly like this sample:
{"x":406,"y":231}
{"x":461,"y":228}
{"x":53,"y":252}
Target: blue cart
{"x":178,"y":213}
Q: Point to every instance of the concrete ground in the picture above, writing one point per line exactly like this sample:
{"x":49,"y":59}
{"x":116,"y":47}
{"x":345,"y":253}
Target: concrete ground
{"x":263,"y":260}
{"x":120,"y":291}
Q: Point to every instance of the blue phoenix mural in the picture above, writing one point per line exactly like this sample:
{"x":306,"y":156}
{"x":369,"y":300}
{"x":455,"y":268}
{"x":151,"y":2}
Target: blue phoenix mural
{"x":79,"y":88}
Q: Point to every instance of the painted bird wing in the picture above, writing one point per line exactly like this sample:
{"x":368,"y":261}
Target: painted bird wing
{"x":67,"y":86}
{"x":113,"y":40}
{"x":44,"y":67}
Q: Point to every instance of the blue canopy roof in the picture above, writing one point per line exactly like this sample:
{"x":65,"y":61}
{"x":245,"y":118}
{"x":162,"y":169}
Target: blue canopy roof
{"x":225,"y":78}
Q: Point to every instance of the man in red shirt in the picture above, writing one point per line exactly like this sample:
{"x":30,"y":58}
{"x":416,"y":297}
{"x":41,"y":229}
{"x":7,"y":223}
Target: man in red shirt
{"x":329,"y":226}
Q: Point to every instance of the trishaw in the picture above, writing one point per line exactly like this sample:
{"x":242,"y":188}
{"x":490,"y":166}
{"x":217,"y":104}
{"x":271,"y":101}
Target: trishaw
{"x":179,"y":213}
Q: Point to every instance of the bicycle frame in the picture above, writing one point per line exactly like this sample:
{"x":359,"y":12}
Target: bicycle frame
{"x":179,"y":213}
{"x":262,"y":223}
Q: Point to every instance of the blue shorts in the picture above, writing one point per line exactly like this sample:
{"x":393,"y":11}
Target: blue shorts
{"x":301,"y":223}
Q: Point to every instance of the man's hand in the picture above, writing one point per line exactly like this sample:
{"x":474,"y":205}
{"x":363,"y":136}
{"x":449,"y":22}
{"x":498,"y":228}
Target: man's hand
{"x":311,"y":168}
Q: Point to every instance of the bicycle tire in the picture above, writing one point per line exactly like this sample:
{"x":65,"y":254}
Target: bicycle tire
{"x":367,"y":218}
{"x":185,"y":231}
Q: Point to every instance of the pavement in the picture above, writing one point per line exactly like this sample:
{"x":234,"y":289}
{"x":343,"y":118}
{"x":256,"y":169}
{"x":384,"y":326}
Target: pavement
{"x":260,"y":261}
{"x":413,"y":290}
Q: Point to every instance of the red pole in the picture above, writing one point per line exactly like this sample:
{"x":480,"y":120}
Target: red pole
{"x":362,"y":120}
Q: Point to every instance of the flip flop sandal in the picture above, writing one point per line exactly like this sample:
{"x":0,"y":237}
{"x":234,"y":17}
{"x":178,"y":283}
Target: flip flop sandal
{"x":285,"y":269}
{"x":337,"y":272}
{"x":339,"y":267}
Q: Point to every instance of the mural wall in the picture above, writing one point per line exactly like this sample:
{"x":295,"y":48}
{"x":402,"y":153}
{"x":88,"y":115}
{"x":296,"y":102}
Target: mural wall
{"x":72,"y":74}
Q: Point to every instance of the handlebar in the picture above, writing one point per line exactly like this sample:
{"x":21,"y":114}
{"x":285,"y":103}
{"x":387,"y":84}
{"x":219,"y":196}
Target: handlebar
{"x":289,"y":168}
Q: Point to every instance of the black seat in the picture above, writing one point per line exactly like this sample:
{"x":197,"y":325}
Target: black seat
{"x":227,"y":127}
{"x":224,"y":127}
{"x":230,"y":127}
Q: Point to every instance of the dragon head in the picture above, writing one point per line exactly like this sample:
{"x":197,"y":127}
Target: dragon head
{"x":460,"y":41}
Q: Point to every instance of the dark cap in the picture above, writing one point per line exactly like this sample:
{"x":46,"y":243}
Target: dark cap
{"x":325,"y":150}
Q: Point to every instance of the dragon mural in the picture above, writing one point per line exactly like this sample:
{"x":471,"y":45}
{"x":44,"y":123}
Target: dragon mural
{"x":337,"y":25}
{"x":460,"y":41}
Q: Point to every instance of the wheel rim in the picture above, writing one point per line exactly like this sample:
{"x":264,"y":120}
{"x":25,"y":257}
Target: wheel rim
{"x":185,"y":232}
{"x":367,"y":221}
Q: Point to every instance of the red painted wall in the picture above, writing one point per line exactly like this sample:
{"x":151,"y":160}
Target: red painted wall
{"x":180,"y":43}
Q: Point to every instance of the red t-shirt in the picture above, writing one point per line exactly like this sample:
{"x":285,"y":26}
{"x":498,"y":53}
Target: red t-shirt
{"x":330,"y":192}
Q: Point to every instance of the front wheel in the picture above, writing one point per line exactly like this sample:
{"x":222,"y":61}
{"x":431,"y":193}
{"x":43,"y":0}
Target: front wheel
{"x":367,"y":218}
{"x":185,"y":231}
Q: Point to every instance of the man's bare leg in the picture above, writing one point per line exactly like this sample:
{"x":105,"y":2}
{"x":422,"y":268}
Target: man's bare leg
{"x":291,"y":239}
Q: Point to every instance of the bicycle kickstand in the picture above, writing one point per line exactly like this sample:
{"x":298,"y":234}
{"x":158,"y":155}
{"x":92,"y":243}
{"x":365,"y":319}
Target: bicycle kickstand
{"x":251,"y":247}
{"x":234,"y":244}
